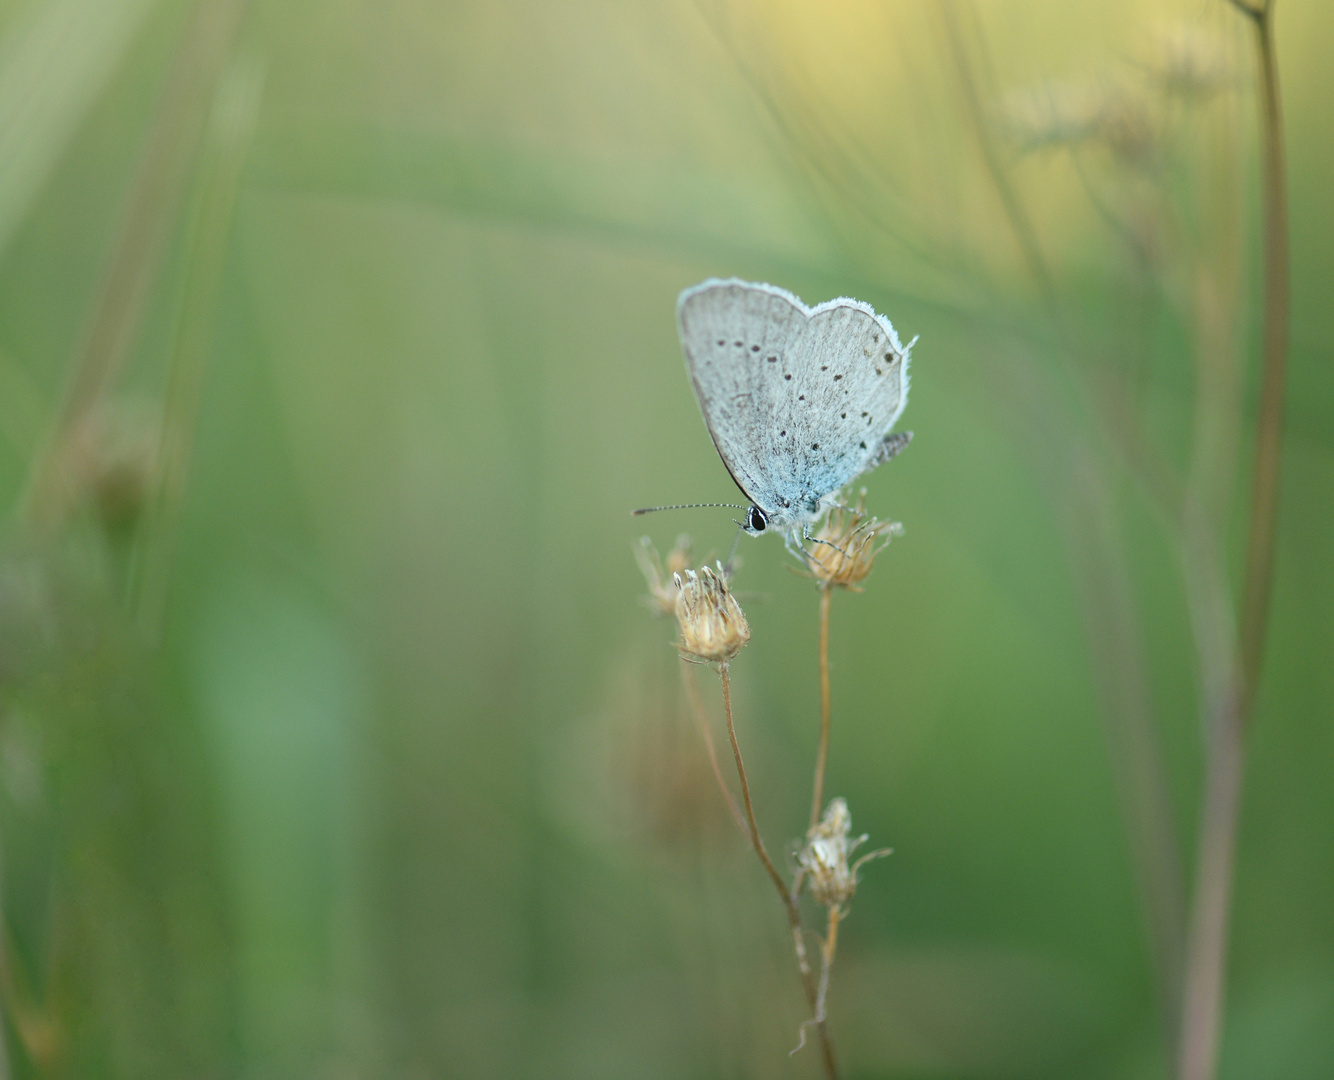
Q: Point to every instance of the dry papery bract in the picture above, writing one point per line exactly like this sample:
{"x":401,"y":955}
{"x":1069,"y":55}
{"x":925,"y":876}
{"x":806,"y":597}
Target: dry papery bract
{"x":712,"y":624}
{"x":824,"y":856}
{"x":846,"y":545}
{"x":660,"y":573}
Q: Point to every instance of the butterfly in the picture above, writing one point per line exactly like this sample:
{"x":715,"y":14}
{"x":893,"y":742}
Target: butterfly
{"x":799,"y":401}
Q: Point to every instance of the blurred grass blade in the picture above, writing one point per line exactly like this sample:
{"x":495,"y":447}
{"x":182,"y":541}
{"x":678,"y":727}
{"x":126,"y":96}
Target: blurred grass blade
{"x":149,"y":213}
{"x":52,"y":67}
{"x":231,"y":127}
{"x":675,"y":210}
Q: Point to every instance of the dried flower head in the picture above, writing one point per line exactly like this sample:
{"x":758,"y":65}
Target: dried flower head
{"x":1073,"y":114}
{"x":824,"y":857}
{"x":713,"y":627}
{"x":847,"y":544}
{"x":108,"y":461}
{"x":1130,"y":131}
{"x":1192,"y":62}
{"x":662,"y":589}
{"x":1052,"y":114}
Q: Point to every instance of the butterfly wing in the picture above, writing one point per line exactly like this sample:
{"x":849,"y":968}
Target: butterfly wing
{"x":797,"y":400}
{"x":854,"y":372}
{"x":738,"y":339}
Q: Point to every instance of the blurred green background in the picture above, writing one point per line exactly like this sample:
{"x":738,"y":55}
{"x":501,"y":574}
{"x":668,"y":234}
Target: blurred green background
{"x":336,"y":343}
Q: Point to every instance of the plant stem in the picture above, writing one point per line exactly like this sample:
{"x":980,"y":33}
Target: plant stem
{"x":1207,"y":941}
{"x":1269,"y":423}
{"x":827,"y":959}
{"x":822,"y":754}
{"x":755,"y":840}
{"x":789,"y":902}
{"x":702,"y":720}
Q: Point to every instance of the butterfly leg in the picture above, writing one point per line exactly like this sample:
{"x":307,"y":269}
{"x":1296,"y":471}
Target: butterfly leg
{"x":806,"y":535}
{"x":794,"y":548}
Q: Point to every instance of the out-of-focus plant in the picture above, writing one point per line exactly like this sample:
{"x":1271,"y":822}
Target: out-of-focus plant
{"x":113,"y":960}
{"x":1142,"y":165}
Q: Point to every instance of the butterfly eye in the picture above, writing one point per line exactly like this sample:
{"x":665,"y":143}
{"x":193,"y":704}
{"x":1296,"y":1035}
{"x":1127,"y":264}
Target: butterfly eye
{"x":755,"y":519}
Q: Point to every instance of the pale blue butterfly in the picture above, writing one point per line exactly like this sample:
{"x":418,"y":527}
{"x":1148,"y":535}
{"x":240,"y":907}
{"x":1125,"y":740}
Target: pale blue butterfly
{"x":799,"y":401}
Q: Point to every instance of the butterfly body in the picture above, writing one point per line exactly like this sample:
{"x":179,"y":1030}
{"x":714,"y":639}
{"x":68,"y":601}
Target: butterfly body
{"x":799,"y":401}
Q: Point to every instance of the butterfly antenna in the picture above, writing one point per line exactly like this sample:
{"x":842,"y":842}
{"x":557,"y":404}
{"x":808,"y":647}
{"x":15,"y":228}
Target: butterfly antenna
{"x":684,"y":506}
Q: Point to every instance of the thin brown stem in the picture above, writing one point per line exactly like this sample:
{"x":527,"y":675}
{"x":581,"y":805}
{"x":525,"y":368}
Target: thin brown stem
{"x":1269,"y":423}
{"x":755,"y":840}
{"x":1206,"y":944}
{"x":702,"y":721}
{"x":789,"y":901}
{"x":827,"y":959}
{"x":826,"y":963}
{"x":1206,"y":958}
{"x":822,"y":754}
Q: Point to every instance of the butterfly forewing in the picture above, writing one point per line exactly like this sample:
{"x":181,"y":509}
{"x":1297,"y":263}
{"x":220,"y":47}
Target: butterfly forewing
{"x":797,"y":400}
{"x":739,"y":342}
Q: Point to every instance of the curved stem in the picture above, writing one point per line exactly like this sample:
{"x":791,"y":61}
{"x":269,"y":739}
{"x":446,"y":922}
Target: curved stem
{"x":822,"y":754}
{"x":755,"y":840}
{"x":789,"y":901}
{"x":702,"y":721}
{"x":1206,"y":958}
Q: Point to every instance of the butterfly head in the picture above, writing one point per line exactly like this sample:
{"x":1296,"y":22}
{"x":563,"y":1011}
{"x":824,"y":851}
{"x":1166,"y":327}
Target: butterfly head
{"x":755,"y":521}
{"x":786,"y":515}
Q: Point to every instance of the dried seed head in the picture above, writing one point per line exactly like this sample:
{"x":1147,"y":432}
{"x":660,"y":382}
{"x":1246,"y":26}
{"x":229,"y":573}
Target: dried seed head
{"x":1051,"y":114}
{"x":109,"y":461}
{"x":851,"y":540}
{"x":713,"y":626}
{"x":1130,"y":131}
{"x":662,"y":589}
{"x":824,"y":857}
{"x":1192,"y":62}
{"x":1102,"y":111}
